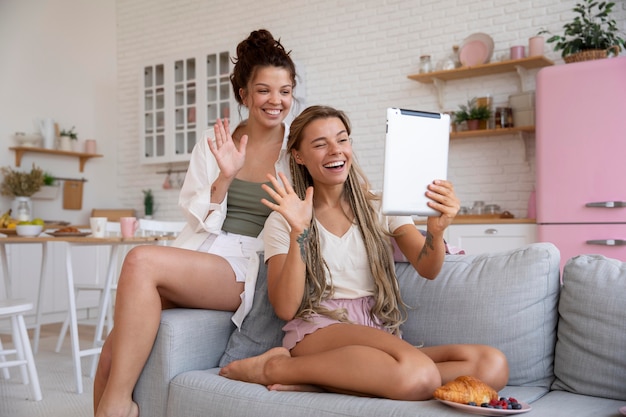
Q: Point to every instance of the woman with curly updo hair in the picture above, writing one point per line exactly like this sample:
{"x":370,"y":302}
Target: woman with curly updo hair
{"x":213,"y":263}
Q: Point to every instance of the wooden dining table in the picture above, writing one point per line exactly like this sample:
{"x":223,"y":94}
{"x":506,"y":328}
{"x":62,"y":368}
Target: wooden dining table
{"x":75,"y":239}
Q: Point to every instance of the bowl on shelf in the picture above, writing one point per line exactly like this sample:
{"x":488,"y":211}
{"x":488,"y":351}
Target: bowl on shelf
{"x":32,"y":140}
{"x":28,"y":230}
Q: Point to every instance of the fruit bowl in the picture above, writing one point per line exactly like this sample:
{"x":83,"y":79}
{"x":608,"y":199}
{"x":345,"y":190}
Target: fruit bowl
{"x":28,"y":230}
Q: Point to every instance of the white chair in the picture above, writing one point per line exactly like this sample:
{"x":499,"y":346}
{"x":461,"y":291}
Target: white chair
{"x":14,"y":309}
{"x":146,"y":228}
{"x":112,"y":229}
{"x":149,"y":227}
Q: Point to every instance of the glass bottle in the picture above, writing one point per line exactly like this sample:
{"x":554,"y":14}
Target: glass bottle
{"x":478,"y":207}
{"x":23,"y":209}
{"x":425,"y":64}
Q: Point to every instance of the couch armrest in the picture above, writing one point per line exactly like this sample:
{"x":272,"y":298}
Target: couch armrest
{"x":188,"y":339}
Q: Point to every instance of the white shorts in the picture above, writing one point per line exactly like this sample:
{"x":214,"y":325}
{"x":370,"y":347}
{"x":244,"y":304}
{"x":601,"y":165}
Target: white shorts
{"x":237,"y":249}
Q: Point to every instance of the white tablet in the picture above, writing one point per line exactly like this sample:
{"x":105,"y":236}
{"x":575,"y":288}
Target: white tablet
{"x":416,"y":154}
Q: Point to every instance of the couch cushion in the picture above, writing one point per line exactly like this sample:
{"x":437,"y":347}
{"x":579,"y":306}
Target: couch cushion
{"x":507,"y":300}
{"x":260,"y":330}
{"x":591,"y":346}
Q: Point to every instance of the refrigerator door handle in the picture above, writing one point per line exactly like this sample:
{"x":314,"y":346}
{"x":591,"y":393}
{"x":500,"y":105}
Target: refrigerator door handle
{"x":607,"y":242}
{"x":607,"y":204}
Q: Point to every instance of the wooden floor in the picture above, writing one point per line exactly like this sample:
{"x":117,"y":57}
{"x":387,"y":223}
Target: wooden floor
{"x":85,"y":333}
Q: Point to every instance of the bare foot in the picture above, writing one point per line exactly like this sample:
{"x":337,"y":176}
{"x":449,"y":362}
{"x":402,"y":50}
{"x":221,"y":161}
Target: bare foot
{"x":299,"y":388}
{"x":253,"y":369}
{"x":132,"y":410}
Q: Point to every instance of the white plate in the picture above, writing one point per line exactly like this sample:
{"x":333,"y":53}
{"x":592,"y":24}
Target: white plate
{"x":483,"y":411}
{"x":476,"y":49}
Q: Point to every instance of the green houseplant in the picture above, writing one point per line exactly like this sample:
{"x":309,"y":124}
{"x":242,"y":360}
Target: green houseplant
{"x":593,"y":34}
{"x":66,"y":138}
{"x":69,"y":133}
{"x":472,"y":114}
{"x":148,"y":202}
{"x":49,"y":189}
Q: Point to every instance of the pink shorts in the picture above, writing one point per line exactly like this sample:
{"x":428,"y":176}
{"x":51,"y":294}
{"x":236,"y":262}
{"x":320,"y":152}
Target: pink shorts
{"x":358,"y":311}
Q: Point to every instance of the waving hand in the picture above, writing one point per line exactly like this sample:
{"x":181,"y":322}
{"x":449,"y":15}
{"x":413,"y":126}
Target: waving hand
{"x":229,"y":159}
{"x":298,"y":213}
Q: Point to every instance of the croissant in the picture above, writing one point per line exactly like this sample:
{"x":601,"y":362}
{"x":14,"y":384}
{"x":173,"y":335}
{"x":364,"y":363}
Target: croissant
{"x":466,"y":389}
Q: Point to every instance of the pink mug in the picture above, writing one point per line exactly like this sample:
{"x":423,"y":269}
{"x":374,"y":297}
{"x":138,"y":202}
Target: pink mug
{"x":518,"y":52}
{"x":129,"y":226}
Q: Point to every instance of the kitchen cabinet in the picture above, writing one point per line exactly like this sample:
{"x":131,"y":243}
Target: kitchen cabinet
{"x":476,"y":239}
{"x":180,"y":99}
{"x":82,"y":157}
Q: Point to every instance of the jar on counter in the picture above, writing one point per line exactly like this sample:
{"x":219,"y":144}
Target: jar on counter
{"x":425,"y":64}
{"x":504,"y":117}
{"x":492,"y":209}
{"x":478,"y":207}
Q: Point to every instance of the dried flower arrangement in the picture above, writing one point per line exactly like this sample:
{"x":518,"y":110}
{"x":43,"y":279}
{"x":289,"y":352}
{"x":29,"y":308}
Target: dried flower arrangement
{"x":21,"y":184}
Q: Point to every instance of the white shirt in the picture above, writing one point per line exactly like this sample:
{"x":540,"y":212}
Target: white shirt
{"x":195,"y":202}
{"x":345,"y":255}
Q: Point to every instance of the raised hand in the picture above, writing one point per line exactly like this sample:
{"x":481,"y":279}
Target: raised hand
{"x":229,"y":159}
{"x":297,"y":212}
{"x":444,"y":200}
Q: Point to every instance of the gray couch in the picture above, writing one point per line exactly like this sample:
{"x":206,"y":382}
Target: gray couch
{"x":566,"y":344}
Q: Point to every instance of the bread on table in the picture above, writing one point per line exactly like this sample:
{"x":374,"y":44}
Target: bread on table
{"x":466,"y":389}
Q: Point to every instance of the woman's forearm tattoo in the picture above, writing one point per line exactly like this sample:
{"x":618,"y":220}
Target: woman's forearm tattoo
{"x":428,"y":246}
{"x":302,"y":241}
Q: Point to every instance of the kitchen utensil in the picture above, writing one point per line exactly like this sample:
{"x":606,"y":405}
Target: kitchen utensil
{"x":72,"y":195}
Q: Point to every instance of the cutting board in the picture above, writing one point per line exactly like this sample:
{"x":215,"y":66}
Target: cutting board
{"x":72,"y":195}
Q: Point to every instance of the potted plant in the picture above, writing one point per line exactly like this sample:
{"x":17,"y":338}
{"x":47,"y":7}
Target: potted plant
{"x":67,"y":137}
{"x":148,"y":203}
{"x":21,"y":186}
{"x":49,"y":190}
{"x":591,"y":35}
{"x":472,"y":114}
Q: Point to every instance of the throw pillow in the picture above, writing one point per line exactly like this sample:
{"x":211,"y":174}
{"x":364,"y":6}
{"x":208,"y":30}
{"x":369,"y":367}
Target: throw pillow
{"x":591,"y":346}
{"x":260,"y":331}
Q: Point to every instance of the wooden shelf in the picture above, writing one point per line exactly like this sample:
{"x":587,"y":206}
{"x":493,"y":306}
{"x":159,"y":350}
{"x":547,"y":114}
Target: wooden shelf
{"x":82,"y":157}
{"x":520,"y":66}
{"x":484,"y":133}
{"x":491,"y":68}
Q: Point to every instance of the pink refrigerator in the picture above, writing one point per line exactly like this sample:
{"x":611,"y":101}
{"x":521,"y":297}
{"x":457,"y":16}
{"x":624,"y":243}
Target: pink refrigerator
{"x":581,"y":157}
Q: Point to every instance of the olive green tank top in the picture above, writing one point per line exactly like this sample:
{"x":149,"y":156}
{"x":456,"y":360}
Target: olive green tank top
{"x":245,"y":213}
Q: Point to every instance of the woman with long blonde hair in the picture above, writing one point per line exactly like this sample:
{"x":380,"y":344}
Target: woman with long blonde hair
{"x":331,"y":276}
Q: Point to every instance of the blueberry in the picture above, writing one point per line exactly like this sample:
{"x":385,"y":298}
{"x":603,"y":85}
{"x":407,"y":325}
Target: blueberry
{"x":516,"y":406}
{"x":471,"y":403}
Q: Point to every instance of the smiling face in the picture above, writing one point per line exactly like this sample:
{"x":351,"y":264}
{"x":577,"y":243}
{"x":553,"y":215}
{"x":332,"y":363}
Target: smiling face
{"x":269,"y":95}
{"x":325,"y":149}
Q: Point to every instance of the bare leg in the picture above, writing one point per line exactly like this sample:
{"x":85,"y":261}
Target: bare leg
{"x":483,"y":362}
{"x":152,"y":278}
{"x":345,"y":358}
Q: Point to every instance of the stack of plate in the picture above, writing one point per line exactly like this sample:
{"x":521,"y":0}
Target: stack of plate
{"x":476,"y":49}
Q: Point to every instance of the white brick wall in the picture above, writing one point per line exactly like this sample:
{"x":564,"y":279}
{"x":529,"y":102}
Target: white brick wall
{"x":356,"y":55}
